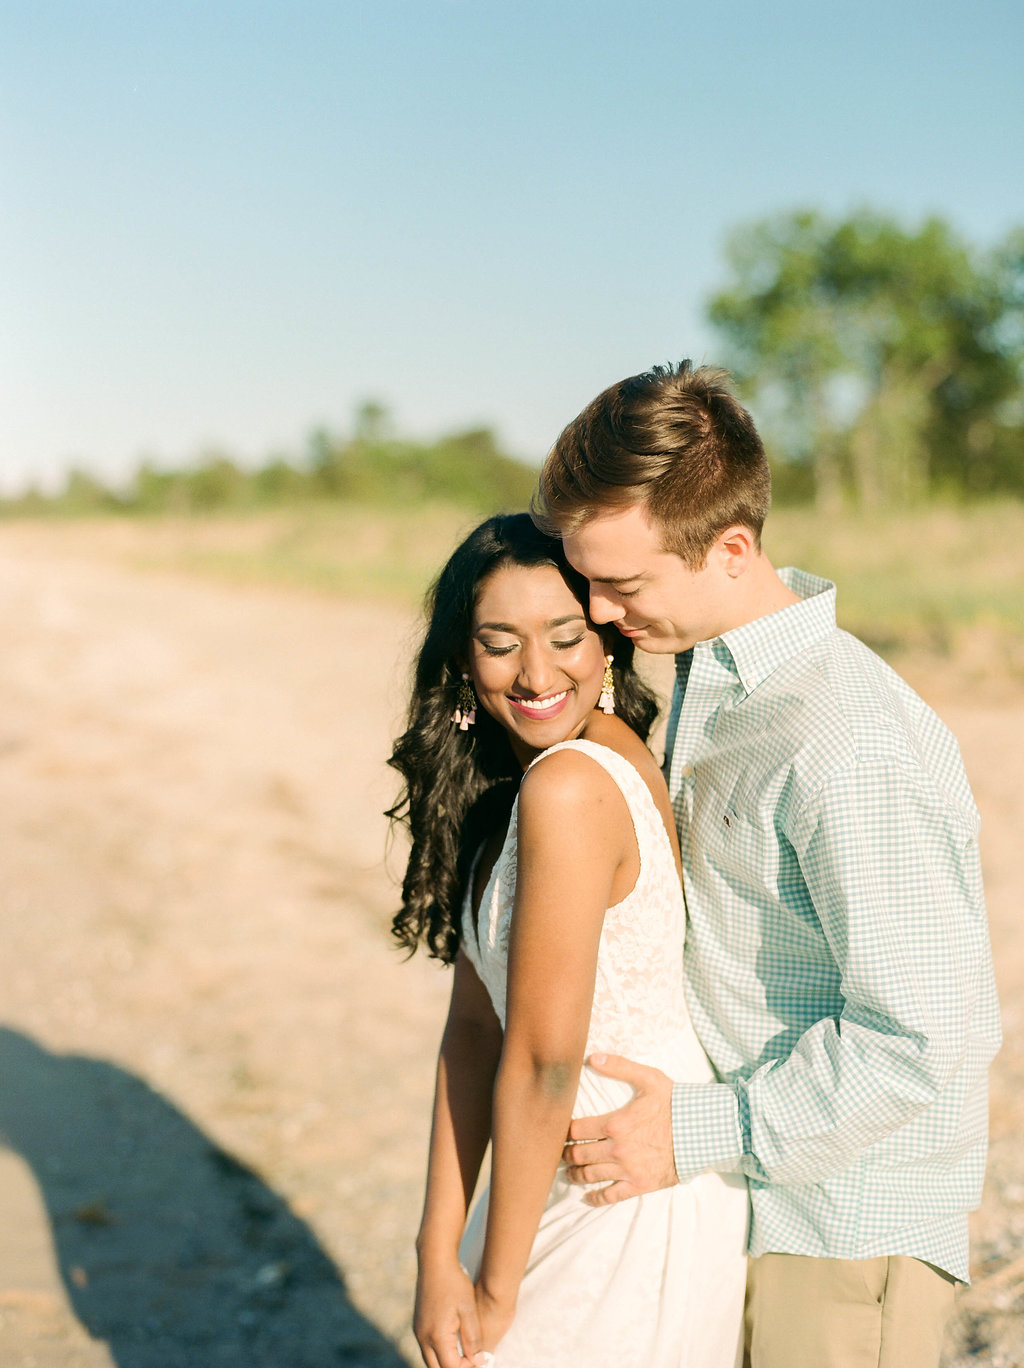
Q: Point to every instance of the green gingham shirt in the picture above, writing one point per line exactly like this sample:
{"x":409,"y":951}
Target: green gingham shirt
{"x":837,"y":958}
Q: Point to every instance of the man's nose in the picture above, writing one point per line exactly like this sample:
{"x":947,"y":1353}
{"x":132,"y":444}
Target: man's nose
{"x":604,"y":607}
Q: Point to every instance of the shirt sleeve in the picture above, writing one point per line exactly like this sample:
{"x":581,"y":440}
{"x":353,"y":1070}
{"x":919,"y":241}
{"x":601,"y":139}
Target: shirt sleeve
{"x":893,"y":872}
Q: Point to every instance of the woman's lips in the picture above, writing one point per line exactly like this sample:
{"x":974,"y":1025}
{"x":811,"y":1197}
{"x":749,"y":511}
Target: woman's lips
{"x":535,"y":708}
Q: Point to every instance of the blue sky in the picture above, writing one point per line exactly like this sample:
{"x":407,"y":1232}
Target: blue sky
{"x":224,"y":223}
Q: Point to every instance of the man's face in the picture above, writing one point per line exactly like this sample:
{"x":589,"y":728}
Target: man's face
{"x":650,"y":594}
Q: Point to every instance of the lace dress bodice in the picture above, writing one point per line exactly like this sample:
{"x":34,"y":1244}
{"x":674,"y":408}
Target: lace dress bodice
{"x":656,"y":1281}
{"x":639,"y":1007}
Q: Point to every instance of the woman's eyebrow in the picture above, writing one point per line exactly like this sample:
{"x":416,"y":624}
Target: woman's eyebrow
{"x":510,"y":627}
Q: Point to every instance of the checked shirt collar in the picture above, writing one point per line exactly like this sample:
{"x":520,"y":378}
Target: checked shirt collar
{"x":757,"y":649}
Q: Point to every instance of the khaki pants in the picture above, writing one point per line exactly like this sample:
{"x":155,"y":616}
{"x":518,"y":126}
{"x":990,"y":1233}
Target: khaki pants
{"x":803,"y":1312}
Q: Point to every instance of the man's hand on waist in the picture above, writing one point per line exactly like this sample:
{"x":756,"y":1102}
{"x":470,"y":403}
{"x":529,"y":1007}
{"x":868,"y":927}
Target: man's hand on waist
{"x":629,"y":1149}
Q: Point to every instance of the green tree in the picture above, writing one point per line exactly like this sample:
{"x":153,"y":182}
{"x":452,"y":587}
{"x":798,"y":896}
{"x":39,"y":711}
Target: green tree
{"x":279,"y":482}
{"x":216,"y":482}
{"x":779,"y":321}
{"x":372,"y":423}
{"x":468,"y":467}
{"x":158,"y":491}
{"x":378,"y":467}
{"x":325,"y":460}
{"x":885,"y":358}
{"x":84,"y":493}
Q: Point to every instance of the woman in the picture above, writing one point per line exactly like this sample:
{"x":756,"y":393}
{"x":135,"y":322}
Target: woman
{"x":544,"y":866}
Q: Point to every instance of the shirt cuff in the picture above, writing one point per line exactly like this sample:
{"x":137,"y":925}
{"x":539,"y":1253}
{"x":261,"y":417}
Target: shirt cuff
{"x":706,"y":1129}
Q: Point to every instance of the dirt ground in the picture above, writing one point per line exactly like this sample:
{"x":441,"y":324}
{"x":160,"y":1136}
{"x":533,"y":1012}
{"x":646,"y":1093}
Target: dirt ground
{"x":214,"y":1073}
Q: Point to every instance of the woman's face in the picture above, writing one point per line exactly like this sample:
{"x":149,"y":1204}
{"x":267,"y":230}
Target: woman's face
{"x":535,"y":661}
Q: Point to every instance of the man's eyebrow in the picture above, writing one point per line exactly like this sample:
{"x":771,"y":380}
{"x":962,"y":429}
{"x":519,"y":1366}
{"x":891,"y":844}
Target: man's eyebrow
{"x":619,"y":579}
{"x":510,"y":627}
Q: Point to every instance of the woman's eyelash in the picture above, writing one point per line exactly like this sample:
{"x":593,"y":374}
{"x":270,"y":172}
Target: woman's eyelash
{"x":628,"y":593}
{"x":507,"y":650}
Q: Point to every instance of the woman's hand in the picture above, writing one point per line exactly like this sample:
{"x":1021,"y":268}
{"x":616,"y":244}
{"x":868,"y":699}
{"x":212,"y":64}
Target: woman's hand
{"x":446,"y":1317}
{"x":494,"y":1318}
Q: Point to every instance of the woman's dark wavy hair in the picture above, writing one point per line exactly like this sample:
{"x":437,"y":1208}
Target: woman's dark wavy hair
{"x":459,"y":785}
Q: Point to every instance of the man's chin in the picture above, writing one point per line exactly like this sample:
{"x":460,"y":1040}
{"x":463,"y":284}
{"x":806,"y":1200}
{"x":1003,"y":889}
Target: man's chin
{"x":653,"y":642}
{"x":656,"y":645}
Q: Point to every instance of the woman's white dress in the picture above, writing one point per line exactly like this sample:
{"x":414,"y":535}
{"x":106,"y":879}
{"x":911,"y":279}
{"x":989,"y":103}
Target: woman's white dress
{"x":656,"y":1281}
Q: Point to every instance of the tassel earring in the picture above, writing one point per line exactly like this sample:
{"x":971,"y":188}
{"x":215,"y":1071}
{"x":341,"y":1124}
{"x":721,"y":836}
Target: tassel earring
{"x":607,"y":700}
{"x":465,"y":706}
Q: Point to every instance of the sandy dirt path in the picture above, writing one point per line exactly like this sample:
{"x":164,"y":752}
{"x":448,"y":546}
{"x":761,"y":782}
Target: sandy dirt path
{"x":214,"y":1074}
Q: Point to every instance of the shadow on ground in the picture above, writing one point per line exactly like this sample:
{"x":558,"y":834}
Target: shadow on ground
{"x":171,"y":1251}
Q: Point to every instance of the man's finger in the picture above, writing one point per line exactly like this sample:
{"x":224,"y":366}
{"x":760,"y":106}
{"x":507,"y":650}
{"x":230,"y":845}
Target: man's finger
{"x":594,"y":1173}
{"x":639,"y":1076}
{"x":590,"y":1129}
{"x":595,"y":1152}
{"x":608,"y":1196}
{"x":627,"y":1070}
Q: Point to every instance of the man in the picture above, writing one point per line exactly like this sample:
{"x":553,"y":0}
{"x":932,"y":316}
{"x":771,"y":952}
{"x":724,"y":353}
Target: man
{"x":837,"y":958}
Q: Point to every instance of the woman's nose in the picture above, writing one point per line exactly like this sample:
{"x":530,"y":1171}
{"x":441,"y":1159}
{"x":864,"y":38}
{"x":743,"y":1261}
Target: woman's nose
{"x":536,"y":670}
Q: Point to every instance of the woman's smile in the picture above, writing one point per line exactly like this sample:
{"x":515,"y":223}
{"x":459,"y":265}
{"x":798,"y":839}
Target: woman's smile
{"x":549,"y":706}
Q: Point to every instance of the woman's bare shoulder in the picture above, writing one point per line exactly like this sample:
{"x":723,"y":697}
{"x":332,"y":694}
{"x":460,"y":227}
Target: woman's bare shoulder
{"x":617,"y":736}
{"x":565,"y":777}
{"x":568,"y":802}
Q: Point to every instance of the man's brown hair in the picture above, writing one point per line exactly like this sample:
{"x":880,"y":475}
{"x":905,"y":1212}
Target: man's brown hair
{"x":674,"y":439}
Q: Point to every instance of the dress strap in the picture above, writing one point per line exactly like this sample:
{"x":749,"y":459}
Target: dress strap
{"x":647,"y":820}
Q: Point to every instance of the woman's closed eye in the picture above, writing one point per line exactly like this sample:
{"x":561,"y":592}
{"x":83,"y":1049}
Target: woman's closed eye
{"x":495,"y":650}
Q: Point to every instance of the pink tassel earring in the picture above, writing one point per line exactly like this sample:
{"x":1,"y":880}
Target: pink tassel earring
{"x":465,"y":706}
{"x":607,"y":700}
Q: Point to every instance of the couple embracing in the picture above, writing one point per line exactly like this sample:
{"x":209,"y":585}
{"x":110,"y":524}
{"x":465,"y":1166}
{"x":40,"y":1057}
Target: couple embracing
{"x":755,"y":991}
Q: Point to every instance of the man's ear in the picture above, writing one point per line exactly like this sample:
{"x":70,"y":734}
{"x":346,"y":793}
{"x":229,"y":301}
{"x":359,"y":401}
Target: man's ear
{"x":735,"y":549}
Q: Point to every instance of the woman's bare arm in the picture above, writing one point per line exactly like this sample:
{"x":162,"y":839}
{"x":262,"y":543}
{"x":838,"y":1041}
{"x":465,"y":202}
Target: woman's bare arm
{"x":467,"y":1063}
{"x":575,"y":832}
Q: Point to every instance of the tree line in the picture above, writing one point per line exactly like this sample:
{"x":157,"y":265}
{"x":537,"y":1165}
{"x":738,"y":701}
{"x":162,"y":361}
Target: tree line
{"x":884,"y":364}
{"x":371,"y":466}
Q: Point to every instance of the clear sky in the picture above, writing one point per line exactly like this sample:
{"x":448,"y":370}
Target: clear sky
{"x":223,"y":222}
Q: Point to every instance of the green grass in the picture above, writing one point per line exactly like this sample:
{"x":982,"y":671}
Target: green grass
{"x":349,"y":551}
{"x":937,"y":582}
{"x":941,"y":581}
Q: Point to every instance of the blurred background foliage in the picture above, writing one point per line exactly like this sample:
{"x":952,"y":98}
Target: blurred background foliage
{"x":373,"y":467}
{"x":884,"y":366}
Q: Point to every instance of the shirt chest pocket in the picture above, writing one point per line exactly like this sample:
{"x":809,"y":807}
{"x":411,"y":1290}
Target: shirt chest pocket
{"x":727,"y":838}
